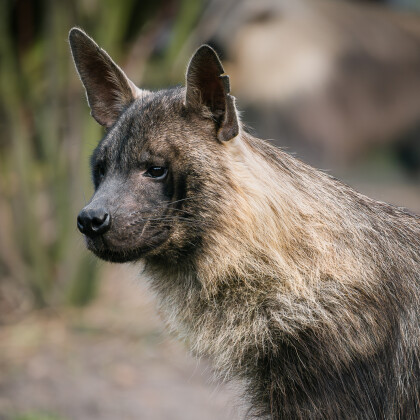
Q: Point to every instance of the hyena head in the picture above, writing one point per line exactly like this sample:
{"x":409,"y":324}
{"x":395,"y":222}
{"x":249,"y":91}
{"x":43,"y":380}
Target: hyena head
{"x":162,"y":153}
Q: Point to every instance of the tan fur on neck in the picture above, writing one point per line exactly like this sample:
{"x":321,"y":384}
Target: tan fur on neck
{"x":288,"y":234}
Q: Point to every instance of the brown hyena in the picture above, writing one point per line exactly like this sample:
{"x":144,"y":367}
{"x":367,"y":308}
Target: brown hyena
{"x":288,"y":280}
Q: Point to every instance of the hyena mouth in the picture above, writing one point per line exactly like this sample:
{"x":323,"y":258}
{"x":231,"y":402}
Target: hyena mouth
{"x":100,"y":248}
{"x":103,"y":248}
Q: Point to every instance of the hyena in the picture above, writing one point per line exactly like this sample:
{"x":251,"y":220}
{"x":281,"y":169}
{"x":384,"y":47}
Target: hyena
{"x":291,"y":282}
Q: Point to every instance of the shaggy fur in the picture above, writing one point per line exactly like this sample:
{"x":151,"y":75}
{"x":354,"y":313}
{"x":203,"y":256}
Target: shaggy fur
{"x":306,"y":289}
{"x":288,"y":280}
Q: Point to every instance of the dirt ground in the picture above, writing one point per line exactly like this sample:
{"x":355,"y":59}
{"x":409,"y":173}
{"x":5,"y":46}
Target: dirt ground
{"x":114,"y":360}
{"x":111,"y":361}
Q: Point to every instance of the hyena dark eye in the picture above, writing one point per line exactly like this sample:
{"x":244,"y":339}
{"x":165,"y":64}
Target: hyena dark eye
{"x":156,"y":172}
{"x":99,"y":174}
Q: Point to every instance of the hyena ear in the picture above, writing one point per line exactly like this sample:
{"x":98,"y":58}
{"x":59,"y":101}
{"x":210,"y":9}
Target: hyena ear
{"x":208,"y":85}
{"x":108,"y":89}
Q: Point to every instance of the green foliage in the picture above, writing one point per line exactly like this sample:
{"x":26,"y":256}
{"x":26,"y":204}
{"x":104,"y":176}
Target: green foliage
{"x":36,"y":416}
{"x":47,"y":134}
{"x":42,"y":160}
{"x":83,"y":289}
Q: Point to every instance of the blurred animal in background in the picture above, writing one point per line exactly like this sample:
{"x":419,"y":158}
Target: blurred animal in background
{"x":343,"y":78}
{"x":288,"y":280}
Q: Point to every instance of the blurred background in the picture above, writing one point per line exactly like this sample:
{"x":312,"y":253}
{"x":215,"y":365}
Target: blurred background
{"x":337,"y":83}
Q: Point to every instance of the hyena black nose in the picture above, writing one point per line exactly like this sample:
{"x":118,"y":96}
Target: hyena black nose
{"x":93,"y":222}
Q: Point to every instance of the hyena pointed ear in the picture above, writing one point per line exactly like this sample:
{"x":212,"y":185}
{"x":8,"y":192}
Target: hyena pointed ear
{"x":208,"y":85}
{"x":108,"y":89}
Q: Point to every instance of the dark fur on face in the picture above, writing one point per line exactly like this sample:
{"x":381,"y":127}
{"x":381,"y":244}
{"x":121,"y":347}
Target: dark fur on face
{"x":287,"y":279}
{"x":149,"y":216}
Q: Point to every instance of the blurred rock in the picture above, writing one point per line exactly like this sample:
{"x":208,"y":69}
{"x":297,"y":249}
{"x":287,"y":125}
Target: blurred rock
{"x":340,"y":77}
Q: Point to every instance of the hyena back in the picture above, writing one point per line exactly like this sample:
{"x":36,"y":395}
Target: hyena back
{"x":302,"y":288}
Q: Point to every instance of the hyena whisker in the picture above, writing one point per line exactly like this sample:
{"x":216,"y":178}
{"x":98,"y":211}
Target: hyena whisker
{"x":172,"y":210}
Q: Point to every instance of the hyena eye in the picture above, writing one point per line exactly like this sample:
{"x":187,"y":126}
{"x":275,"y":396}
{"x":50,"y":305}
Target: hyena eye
{"x":99,"y":174}
{"x":156,"y":172}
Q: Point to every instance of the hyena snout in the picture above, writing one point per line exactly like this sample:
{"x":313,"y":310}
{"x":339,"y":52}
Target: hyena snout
{"x":94,"y":222}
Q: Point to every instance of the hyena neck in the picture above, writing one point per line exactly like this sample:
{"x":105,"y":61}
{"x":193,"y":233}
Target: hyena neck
{"x":298,"y":257}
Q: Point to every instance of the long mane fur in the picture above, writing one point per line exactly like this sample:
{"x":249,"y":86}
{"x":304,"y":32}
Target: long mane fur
{"x":304,"y":288}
